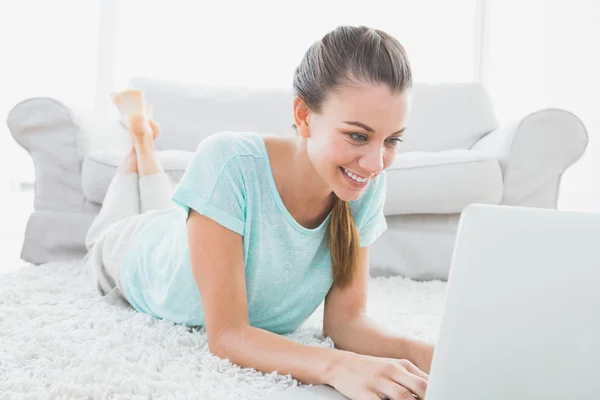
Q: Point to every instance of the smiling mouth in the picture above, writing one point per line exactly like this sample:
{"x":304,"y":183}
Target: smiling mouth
{"x":357,"y":179}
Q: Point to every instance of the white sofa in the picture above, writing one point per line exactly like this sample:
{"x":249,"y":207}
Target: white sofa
{"x":454,"y":154}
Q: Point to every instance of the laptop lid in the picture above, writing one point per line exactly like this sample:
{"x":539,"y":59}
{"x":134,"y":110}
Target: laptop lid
{"x":522,"y":317}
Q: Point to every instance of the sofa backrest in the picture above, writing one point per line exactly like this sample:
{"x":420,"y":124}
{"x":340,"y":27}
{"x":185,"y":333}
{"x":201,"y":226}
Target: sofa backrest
{"x":444,"y":116}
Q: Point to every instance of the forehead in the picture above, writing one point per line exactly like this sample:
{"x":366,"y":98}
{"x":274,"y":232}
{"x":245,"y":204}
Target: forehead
{"x":370,"y":104}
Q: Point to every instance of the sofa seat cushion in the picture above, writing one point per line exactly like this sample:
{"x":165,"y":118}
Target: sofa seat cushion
{"x":442,"y":182}
{"x":99,"y":168}
{"x":418,"y":182}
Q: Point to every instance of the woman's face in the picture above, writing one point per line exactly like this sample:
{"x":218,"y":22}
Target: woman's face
{"x":355,"y":137}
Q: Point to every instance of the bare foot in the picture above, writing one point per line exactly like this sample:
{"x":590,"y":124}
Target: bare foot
{"x":155,"y":128}
{"x":136,"y":114}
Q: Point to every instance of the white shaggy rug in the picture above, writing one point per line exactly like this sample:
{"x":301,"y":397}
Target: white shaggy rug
{"x":58,"y":339}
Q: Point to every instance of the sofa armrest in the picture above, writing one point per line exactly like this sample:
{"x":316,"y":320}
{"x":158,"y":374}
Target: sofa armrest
{"x":58,"y":138}
{"x":534,"y":151}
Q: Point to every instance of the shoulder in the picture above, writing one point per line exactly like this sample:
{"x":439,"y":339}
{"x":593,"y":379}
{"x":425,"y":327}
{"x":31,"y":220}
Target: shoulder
{"x":228,"y":155}
{"x":226,"y":146}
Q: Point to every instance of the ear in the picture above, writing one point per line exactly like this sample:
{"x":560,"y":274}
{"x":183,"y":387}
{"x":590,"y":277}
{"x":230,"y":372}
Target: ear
{"x":302,"y":117}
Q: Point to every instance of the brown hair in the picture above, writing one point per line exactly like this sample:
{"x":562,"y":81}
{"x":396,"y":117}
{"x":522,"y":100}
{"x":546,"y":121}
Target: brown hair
{"x":345,"y":56}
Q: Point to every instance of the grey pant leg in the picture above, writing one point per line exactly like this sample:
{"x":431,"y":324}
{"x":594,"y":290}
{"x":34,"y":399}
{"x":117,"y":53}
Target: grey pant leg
{"x":130,"y":194}
{"x":156,"y":191}
{"x":127,"y":200}
{"x":122,"y":200}
{"x":104,"y":274}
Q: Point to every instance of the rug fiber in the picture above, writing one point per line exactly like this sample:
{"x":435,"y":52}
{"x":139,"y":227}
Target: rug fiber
{"x":59,"y":339}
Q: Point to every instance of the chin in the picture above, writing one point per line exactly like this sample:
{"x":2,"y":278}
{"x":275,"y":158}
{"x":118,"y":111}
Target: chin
{"x":346,"y":195}
{"x":346,"y":189}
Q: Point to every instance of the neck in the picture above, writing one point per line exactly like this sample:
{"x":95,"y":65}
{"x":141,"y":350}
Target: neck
{"x":302,"y":190}
{"x":308,"y":184}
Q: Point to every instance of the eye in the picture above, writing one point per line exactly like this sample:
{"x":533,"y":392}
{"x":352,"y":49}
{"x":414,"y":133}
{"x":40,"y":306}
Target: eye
{"x":359,"y":137}
{"x":395,"y":141}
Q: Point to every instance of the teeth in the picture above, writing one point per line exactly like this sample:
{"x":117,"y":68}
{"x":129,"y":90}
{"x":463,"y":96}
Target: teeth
{"x":355,"y":177}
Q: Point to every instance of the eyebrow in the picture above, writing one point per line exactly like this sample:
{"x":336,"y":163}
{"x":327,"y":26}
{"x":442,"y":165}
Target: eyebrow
{"x":368,"y":128}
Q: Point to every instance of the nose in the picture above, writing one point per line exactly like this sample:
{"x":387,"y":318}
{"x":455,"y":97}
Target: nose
{"x":372,"y":160}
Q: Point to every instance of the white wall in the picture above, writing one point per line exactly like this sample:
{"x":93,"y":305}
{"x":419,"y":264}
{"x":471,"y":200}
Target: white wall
{"x":544,"y":53}
{"x":540,"y":54}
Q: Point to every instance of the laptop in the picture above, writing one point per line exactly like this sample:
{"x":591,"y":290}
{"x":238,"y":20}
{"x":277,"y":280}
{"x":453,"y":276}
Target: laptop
{"x":522,"y":316}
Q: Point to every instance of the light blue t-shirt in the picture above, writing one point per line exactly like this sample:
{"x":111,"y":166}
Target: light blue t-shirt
{"x":287,"y":266}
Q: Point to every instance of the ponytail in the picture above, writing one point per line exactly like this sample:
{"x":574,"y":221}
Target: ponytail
{"x":344,"y":243}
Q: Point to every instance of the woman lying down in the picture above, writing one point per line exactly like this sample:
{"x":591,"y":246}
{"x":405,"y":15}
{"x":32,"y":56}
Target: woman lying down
{"x":261,"y":229}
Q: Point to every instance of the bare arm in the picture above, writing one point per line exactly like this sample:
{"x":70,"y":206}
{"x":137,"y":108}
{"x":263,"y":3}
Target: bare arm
{"x":218,"y":267}
{"x":346,"y":322}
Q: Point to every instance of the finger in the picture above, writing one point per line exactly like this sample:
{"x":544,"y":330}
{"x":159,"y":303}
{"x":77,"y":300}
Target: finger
{"x":370,"y":396}
{"x":388,"y":389}
{"x":414,"y":383}
{"x":418,"y":372}
{"x":413,"y":369}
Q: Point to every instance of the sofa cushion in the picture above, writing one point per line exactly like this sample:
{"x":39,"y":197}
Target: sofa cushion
{"x":188,"y":113}
{"x":442,"y":182}
{"x":446,"y":116}
{"x":417,"y":182}
{"x":443,"y":116}
{"x":99,"y":168}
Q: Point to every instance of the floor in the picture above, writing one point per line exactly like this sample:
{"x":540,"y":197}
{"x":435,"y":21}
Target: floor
{"x":16,"y":206}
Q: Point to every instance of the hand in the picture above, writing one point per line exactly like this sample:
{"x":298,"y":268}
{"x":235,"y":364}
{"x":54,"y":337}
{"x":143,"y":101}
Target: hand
{"x":361,"y":377}
{"x":421,"y":353}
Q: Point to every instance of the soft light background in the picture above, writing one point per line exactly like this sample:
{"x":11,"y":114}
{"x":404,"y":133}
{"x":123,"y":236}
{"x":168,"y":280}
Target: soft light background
{"x":530,"y":54}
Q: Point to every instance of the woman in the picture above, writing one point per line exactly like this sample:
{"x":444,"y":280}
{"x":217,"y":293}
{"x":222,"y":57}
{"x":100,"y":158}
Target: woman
{"x":260,"y":230}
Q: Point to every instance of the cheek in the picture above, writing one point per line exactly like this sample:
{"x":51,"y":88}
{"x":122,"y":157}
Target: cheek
{"x":389,"y":158}
{"x":321,"y":154}
{"x":328,"y":152}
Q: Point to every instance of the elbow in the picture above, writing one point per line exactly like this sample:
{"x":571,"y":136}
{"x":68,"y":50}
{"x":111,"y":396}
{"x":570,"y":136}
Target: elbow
{"x":328,"y":330}
{"x":216,"y":349}
{"x":222,"y":343}
{"x":332,"y":327}
{"x":336,"y":327}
